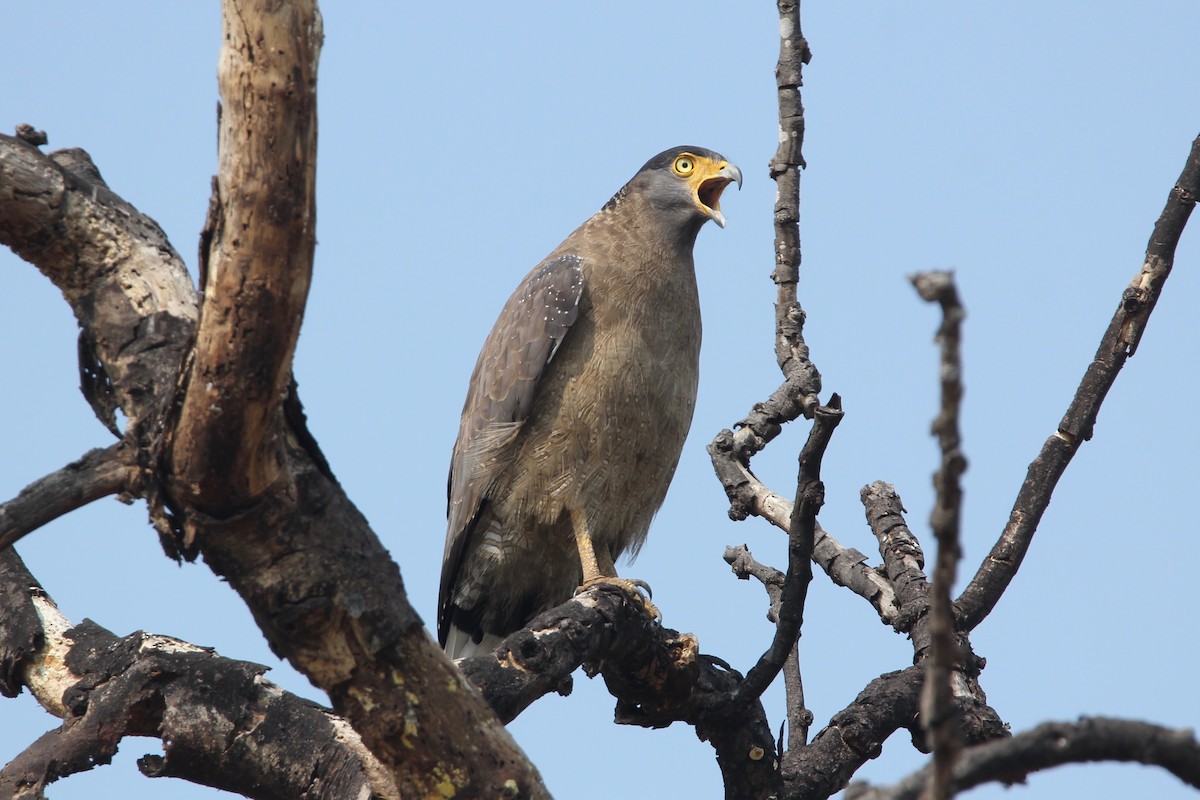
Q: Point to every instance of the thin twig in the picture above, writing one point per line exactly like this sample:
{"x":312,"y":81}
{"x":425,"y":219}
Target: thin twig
{"x":745,"y":567}
{"x":799,"y":717}
{"x":798,"y":395}
{"x":98,"y":474}
{"x":790,"y":350}
{"x":1119,"y":342}
{"x":939,"y":713}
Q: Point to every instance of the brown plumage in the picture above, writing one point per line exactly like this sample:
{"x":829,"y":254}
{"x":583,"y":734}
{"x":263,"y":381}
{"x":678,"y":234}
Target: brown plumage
{"x":579,"y":405}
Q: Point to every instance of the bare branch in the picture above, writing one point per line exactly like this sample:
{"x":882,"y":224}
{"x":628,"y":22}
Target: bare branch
{"x":598,"y":626}
{"x":844,"y":565}
{"x":98,"y":474}
{"x":939,"y":713}
{"x":259,"y":261}
{"x":902,"y":557}
{"x":731,"y":452}
{"x":656,"y":674}
{"x":223,"y":724}
{"x":854,"y":735}
{"x":319,"y":583}
{"x":125,"y":283}
{"x":1053,"y":744}
{"x":1119,"y":342}
{"x":744,"y":566}
{"x":810,"y":496}
{"x":790,"y":350}
{"x":799,"y":717}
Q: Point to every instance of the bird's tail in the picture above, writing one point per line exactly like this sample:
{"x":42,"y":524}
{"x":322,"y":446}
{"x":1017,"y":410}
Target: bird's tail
{"x":459,"y":643}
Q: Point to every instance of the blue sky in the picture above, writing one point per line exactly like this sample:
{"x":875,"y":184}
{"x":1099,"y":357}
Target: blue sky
{"x":1028,"y":146}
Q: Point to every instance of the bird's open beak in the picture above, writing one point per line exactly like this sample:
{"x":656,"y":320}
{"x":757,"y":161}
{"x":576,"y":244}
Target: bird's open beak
{"x":709,"y":190}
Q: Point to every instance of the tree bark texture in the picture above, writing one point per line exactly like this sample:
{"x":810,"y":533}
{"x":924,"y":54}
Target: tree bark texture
{"x":221,"y":723}
{"x":226,"y":471}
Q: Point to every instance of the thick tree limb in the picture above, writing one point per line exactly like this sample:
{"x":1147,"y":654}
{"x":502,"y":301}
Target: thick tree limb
{"x":320,"y":585}
{"x":221,"y":723}
{"x":125,"y":283}
{"x":600,"y":627}
{"x":1119,"y":342}
{"x":656,"y":674}
{"x":938,"y":709}
{"x":259,"y":260}
{"x":100,"y":473}
{"x":262,"y":510}
{"x":854,"y":735}
{"x":1054,"y":744}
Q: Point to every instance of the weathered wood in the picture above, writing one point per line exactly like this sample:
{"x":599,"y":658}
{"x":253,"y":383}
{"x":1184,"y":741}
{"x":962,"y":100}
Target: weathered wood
{"x":1053,"y":744}
{"x":100,"y":473}
{"x":258,"y":264}
{"x":320,"y":585}
{"x":222,"y":725}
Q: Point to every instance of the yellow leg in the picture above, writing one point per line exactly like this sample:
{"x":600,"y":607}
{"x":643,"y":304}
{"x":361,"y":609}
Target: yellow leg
{"x":596,"y":572}
{"x":587,"y":550}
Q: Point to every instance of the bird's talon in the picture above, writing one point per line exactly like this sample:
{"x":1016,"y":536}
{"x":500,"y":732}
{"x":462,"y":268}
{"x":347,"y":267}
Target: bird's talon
{"x":637,"y":589}
{"x":645,"y":587}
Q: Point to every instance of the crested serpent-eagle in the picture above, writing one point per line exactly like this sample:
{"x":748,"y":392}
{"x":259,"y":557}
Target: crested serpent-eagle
{"x":578,"y":406}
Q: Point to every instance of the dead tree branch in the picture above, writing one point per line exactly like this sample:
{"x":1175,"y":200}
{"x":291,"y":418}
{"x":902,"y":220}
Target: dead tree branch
{"x":1118,"y":344}
{"x":657,"y":675}
{"x":810,"y":496}
{"x":320,"y":585}
{"x":1053,"y":744}
{"x":844,"y":565}
{"x":854,"y":735}
{"x":731,"y":452}
{"x":100,"y":473}
{"x":902,"y":558}
{"x":938,"y":710}
{"x":259,"y":260}
{"x":221,"y":723}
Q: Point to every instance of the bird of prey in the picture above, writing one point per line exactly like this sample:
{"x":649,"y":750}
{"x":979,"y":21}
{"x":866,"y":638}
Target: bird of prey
{"x":578,"y":406}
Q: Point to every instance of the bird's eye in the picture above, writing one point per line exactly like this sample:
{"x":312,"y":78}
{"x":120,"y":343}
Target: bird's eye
{"x":684,"y":165}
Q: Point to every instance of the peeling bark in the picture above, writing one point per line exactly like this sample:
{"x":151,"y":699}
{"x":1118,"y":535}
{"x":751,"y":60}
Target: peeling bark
{"x":221,"y":723}
{"x":318,"y":582}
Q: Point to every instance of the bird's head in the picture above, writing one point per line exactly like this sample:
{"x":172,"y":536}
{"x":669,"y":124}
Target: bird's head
{"x":686,"y":182}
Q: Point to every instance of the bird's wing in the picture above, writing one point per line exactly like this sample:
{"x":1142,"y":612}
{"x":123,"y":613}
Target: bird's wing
{"x":526,"y":336}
